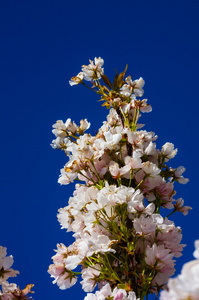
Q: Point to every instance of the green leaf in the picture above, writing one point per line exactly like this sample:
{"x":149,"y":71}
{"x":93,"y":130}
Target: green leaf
{"x":121,"y":286}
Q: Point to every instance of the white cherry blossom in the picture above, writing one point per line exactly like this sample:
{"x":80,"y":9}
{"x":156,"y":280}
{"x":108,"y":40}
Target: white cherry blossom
{"x":186,"y":285}
{"x":94,"y":70}
{"x":76,"y":79}
{"x":168,"y":151}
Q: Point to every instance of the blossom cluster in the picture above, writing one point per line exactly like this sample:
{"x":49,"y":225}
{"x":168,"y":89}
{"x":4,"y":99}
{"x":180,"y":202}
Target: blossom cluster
{"x":186,"y":285}
{"x":124,"y":242}
{"x":10,"y":291}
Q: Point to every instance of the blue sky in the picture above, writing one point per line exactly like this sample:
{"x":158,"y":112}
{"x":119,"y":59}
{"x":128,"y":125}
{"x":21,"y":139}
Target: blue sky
{"x":43,"y":44}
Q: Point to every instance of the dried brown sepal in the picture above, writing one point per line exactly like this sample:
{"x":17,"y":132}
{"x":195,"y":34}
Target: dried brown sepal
{"x":121,"y":77}
{"x":106,"y":81}
{"x":115,"y":83}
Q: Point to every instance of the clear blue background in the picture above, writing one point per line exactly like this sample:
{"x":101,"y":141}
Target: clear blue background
{"x":43,"y":44}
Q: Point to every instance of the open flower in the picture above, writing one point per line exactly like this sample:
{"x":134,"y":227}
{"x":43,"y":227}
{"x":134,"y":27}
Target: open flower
{"x":77,"y":79}
{"x":94,"y":70}
{"x":186,"y":285}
